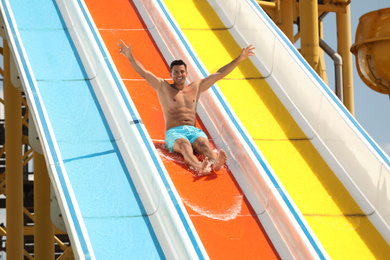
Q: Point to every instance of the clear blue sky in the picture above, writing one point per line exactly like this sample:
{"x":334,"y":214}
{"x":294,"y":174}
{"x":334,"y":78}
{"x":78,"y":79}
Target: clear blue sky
{"x":371,"y":108}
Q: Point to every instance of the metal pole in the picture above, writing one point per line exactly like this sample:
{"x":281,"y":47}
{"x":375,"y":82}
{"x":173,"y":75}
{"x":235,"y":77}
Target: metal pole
{"x":338,"y":65}
{"x":14,"y":164}
{"x":344,"y":44}
{"x":43,"y":227}
{"x":308,"y":10}
{"x":287,"y":25}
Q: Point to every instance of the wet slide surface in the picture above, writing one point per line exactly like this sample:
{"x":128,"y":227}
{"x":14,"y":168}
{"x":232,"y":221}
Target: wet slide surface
{"x":221,"y":214}
{"x":337,"y":221}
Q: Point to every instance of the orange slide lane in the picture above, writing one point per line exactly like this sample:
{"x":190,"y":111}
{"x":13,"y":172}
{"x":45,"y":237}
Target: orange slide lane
{"x":221,"y":214}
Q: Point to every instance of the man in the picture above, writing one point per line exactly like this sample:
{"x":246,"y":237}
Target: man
{"x":178,"y":101}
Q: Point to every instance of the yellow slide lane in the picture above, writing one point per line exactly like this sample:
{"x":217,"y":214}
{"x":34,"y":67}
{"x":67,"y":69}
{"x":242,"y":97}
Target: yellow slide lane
{"x":337,"y":221}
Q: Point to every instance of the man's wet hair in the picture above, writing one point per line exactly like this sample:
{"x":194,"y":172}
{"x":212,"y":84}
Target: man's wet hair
{"x":178,"y":62}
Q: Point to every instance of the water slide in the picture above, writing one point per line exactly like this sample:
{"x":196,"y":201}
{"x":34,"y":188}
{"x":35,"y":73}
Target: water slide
{"x":335,"y":173}
{"x":221,"y":214}
{"x":114,"y":192}
{"x":231,"y":223}
{"x":115,"y":198}
{"x":127,"y":186}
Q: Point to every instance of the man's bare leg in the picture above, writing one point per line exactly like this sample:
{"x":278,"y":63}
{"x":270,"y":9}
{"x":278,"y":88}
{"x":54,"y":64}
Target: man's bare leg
{"x":220,"y":161}
{"x":183,"y":146}
{"x":202,"y":146}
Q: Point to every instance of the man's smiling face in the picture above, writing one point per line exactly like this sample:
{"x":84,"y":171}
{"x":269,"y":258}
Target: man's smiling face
{"x":179,"y":74}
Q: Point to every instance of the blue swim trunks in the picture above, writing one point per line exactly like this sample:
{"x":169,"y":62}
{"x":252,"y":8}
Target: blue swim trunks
{"x":188,"y":132}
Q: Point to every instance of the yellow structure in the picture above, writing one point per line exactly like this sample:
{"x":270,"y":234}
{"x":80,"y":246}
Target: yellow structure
{"x":372,"y":44}
{"x":307,"y":15}
{"x":13,"y":179}
{"x":14,"y":172}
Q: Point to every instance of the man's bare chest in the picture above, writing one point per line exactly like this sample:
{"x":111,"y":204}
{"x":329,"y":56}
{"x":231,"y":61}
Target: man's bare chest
{"x":174,"y":97}
{"x":184,"y":98}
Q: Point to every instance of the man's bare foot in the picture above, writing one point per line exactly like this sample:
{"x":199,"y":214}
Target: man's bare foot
{"x":220,"y":161}
{"x":205,"y":168}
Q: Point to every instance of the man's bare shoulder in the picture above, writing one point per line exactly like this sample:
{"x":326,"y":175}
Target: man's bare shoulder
{"x":164,"y":85}
{"x":195,"y":84}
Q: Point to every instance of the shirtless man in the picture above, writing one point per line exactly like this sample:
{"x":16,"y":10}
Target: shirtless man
{"x":178,"y":102}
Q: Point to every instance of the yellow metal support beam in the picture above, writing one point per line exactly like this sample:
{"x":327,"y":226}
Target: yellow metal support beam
{"x":14,"y":178}
{"x":60,"y":243}
{"x":26,"y":254}
{"x":287,"y":18}
{"x":67,"y":255}
{"x":343,"y":21}
{"x":309,"y":32}
{"x":267,"y":5}
{"x":330,"y":8}
{"x":44,"y":229}
{"x":321,"y":66}
{"x":3,"y":232}
{"x":336,"y":8}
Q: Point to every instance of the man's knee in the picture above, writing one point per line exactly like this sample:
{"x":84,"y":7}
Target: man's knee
{"x":201,"y":144}
{"x":181,"y":144}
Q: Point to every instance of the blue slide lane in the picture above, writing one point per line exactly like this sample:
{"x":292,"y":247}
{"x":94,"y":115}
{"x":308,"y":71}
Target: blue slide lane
{"x":111,"y":210}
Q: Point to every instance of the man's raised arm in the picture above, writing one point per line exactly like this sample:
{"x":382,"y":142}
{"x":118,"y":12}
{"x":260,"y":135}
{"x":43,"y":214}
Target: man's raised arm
{"x":154,"y":82}
{"x":207,"y":82}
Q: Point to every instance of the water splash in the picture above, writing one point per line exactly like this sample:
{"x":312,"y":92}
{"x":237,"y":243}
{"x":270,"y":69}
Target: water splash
{"x":229,"y":214}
